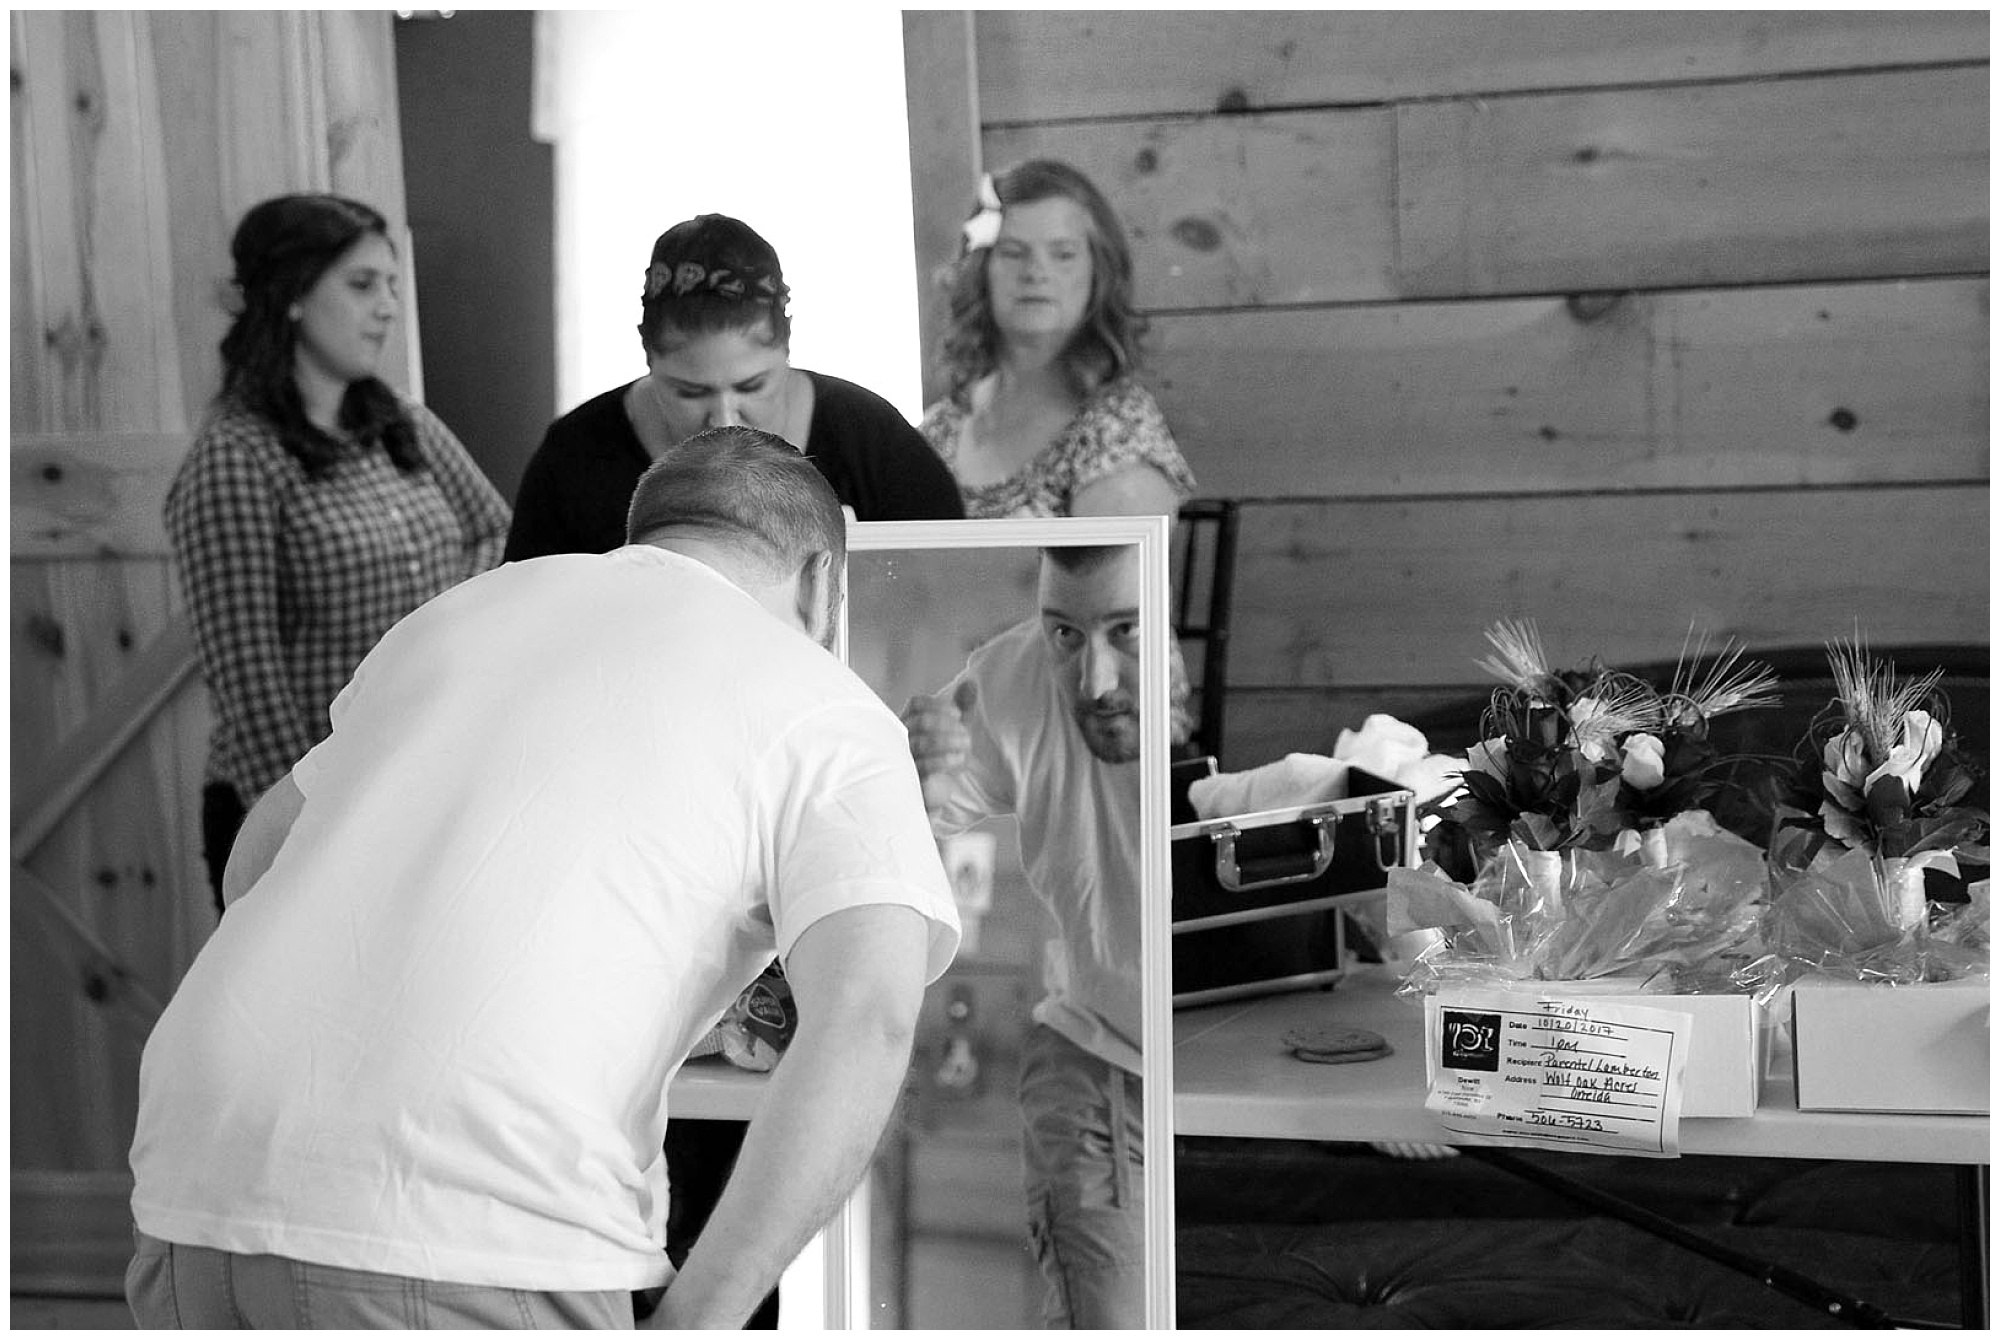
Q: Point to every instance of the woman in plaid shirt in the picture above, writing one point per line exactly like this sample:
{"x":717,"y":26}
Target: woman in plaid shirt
{"x":316,"y":506}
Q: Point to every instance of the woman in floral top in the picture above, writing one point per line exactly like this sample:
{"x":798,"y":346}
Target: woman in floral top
{"x":1045,"y":416}
{"x":1046,"y":419}
{"x":316,"y":506}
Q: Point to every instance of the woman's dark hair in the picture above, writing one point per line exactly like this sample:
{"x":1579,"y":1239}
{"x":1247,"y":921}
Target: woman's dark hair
{"x":1106,"y":344}
{"x":712,"y":273}
{"x":281,"y":249}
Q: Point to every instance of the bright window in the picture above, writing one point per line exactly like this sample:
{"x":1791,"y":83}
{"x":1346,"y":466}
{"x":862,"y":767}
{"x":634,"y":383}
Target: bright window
{"x":790,"y":119}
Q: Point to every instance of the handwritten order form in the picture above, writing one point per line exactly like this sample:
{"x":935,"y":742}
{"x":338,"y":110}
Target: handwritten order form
{"x":1558,"y":1073}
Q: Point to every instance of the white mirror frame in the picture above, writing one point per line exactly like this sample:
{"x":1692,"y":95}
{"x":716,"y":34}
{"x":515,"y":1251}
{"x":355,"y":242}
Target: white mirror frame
{"x":844,"y":1243}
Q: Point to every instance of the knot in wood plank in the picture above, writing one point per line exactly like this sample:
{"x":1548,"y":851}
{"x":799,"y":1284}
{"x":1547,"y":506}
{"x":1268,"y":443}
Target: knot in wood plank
{"x":1588,"y":307}
{"x":1197,"y":234}
{"x":45,"y":633}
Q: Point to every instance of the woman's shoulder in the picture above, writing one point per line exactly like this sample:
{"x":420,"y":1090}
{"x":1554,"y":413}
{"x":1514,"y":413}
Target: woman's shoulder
{"x":839,"y":396}
{"x":1121,"y":424}
{"x":598,"y":431}
{"x":230,"y":421}
{"x":847,"y":415}
{"x":1115,"y":412}
{"x":236,"y":465}
{"x":1123,"y":397}
{"x":590,"y":417}
{"x":234,"y":436}
{"x":421,"y":417}
{"x":943,"y":416}
{"x":951,"y":405}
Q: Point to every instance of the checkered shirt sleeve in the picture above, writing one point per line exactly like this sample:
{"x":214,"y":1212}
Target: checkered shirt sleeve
{"x":483,"y":515}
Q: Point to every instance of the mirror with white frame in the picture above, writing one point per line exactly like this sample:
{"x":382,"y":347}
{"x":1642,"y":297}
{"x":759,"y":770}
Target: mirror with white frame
{"x":1054,"y":970}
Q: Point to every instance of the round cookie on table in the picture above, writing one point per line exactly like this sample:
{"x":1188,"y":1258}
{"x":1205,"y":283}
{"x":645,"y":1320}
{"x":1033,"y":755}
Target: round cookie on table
{"x":1335,"y":1044}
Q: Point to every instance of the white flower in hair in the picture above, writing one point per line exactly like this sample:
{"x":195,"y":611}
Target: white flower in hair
{"x":686,"y":275}
{"x":983,"y":228}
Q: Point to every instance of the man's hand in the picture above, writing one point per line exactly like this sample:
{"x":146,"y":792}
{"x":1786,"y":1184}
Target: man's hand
{"x":858,"y":975}
{"x":939,"y":742}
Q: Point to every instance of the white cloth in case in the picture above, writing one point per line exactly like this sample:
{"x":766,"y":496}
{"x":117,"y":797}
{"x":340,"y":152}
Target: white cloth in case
{"x":1390,"y":749}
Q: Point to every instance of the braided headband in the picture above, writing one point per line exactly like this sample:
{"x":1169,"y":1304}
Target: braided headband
{"x":983,"y":228}
{"x":688,"y":277}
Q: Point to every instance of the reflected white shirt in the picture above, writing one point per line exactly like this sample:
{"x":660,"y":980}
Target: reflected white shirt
{"x":1079,"y":819}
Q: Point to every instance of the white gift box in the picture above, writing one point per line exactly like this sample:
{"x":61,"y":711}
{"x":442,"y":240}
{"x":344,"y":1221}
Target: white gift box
{"x":1870,"y":1047}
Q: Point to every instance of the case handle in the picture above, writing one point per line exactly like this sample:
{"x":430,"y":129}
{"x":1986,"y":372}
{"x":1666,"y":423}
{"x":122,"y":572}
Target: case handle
{"x":1385,"y":825}
{"x":1231,"y":878}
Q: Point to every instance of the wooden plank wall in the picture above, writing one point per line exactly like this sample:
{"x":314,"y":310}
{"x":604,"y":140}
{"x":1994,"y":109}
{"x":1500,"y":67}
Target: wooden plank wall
{"x":1618,"y":321}
{"x":138,"y":140}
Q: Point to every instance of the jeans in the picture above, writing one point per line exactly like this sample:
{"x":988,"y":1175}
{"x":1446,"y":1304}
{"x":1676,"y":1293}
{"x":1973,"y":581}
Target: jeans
{"x":1083,"y":1142}
{"x":175,"y":1287}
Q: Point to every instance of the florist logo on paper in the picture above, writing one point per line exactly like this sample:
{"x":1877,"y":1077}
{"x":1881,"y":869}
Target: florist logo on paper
{"x":1470,"y":1041}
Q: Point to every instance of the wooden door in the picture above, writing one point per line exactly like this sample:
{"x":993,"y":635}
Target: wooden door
{"x":139,"y":138}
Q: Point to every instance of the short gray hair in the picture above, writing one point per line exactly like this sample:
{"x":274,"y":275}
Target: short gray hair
{"x":750,"y":488}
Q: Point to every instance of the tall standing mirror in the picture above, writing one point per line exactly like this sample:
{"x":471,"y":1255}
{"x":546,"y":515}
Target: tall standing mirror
{"x":1041,"y":1070}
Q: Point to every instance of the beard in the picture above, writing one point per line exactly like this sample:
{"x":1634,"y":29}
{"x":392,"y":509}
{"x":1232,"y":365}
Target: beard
{"x":1110,"y":728}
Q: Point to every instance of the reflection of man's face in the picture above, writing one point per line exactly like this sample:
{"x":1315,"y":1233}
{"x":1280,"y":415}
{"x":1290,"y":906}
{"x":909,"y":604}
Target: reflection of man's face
{"x":1091,"y":620}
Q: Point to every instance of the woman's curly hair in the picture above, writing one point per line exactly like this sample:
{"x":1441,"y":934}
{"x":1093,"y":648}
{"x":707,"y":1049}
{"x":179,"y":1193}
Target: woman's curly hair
{"x":1106,"y":344}
{"x":281,"y":250}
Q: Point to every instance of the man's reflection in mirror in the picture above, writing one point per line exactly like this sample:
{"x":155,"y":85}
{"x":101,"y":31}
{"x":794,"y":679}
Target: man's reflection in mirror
{"x":1043,"y":724}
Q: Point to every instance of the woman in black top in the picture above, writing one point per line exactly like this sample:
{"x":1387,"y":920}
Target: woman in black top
{"x":717,"y":338}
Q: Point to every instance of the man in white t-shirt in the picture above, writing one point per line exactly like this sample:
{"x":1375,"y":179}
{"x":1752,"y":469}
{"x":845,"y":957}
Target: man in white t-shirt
{"x":1043,"y":724}
{"x":568,"y":810}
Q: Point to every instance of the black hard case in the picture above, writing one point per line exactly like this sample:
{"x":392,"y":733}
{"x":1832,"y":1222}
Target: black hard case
{"x":1257,"y":898}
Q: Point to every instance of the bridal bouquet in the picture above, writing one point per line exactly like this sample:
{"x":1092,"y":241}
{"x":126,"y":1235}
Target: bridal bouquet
{"x":1884,"y":791}
{"x":1581,"y":842}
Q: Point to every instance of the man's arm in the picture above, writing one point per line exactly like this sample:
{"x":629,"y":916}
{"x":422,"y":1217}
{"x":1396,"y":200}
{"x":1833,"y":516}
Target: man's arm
{"x":858,"y":976}
{"x":263,"y":832}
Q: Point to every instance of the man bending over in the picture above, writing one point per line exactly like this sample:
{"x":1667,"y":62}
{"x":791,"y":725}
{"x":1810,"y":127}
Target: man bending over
{"x":568,"y":810}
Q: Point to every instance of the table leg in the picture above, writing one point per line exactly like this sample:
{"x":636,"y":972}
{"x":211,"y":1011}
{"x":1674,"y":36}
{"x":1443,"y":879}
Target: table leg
{"x":1974,"y":1209}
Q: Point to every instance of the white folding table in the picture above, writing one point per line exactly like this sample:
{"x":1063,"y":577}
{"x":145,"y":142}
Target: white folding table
{"x":1234,"y":1077}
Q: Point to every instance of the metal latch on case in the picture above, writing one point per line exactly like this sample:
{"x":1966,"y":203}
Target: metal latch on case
{"x":1384,"y":818}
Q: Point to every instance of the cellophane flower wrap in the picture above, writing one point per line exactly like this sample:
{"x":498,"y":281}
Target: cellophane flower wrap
{"x":1581,"y":842}
{"x":1884,"y":790}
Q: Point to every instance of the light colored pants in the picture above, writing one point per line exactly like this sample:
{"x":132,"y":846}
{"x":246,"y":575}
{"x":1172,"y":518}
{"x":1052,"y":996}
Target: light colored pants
{"x":175,"y":1287}
{"x":1083,"y":1142}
